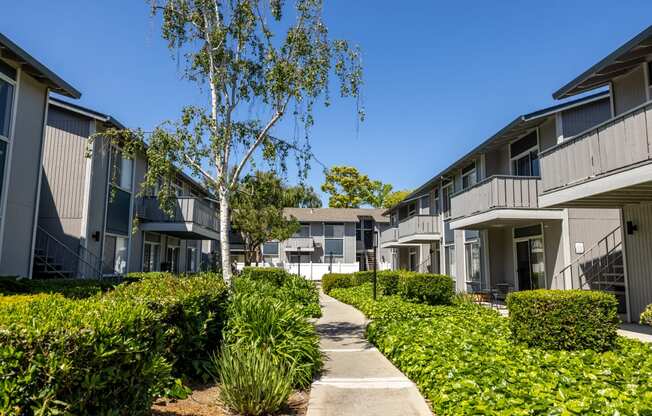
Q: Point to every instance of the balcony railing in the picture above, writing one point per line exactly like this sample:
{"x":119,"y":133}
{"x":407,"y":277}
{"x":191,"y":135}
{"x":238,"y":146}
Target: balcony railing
{"x":499,"y":191}
{"x":419,"y":225}
{"x":390,"y":235}
{"x":186,"y":210}
{"x":294,"y":243}
{"x":621,"y":142}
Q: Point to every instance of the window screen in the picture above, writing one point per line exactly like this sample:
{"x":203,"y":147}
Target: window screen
{"x":270,"y":249}
{"x":334,"y":247}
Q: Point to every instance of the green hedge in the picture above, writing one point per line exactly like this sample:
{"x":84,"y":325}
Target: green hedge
{"x":433,"y":289}
{"x":331,"y":281}
{"x":465,"y":362}
{"x":646,"y":316}
{"x":564,"y":319}
{"x":110,"y":353}
{"x":269,"y":274}
{"x":70,"y":288}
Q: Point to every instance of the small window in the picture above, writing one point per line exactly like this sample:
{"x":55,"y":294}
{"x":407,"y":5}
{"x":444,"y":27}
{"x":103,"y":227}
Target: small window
{"x":447,"y":191}
{"x":121,"y":170}
{"x":412,"y":209}
{"x":6,"y":103}
{"x":469,"y":177}
{"x":334,"y":247}
{"x":334,"y":230}
{"x":303,"y":232}
{"x":270,"y":248}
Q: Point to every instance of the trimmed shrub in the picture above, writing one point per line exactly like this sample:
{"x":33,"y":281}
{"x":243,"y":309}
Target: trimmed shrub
{"x":192,"y":311}
{"x":331,"y":281}
{"x":251,"y":381}
{"x":268,"y":274}
{"x":302,"y":294}
{"x":139,"y":276}
{"x":365,"y":276}
{"x":433,"y":289}
{"x":388,"y":282}
{"x":70,"y":288}
{"x":91,"y":356}
{"x":646,"y":316}
{"x":564,"y":319}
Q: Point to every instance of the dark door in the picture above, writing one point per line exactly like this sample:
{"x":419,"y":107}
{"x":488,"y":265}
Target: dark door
{"x":523,"y":265}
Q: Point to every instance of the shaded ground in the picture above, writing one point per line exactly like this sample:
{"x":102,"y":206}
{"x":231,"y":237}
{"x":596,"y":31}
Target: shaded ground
{"x":204,"y":402}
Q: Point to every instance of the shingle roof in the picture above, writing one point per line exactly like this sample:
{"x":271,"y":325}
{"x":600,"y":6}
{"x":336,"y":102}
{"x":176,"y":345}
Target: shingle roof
{"x":36,"y":69}
{"x":335,"y":214}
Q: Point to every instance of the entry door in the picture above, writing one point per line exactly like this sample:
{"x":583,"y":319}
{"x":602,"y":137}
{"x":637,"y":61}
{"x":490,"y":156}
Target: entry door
{"x":173,"y":259}
{"x":523,"y":265}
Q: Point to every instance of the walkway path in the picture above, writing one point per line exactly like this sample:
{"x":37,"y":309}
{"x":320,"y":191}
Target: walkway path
{"x":357,"y":379}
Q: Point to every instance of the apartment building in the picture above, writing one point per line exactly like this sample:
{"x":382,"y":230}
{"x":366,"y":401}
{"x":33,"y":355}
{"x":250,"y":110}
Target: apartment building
{"x":94,"y":217}
{"x":25,"y":85}
{"x":609,"y":166}
{"x":341,"y":239}
{"x":480,"y":220}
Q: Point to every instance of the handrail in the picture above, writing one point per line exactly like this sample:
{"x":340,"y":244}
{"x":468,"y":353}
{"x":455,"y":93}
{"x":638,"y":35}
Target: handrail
{"x":491,"y":178}
{"x":586,"y":133}
{"x":96,"y":272}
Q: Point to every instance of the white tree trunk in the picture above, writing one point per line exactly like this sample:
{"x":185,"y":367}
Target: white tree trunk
{"x":225,"y":231}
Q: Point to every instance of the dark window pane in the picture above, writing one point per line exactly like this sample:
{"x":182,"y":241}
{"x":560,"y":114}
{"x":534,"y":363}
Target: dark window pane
{"x":6,"y":102}
{"x":530,"y":231}
{"x":334,"y":247}
{"x":270,"y":249}
{"x":7,"y":69}
{"x":117,"y":217}
{"x":368,"y":224}
{"x":108,"y":255}
{"x":3,"y":157}
{"x":334,"y":230}
{"x":523,"y":144}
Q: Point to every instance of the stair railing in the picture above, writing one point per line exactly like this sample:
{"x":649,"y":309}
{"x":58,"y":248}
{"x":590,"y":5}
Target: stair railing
{"x":594,"y":263}
{"x":59,"y":259}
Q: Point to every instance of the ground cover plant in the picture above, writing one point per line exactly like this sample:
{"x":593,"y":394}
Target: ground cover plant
{"x":70,"y":288}
{"x":464,"y":360}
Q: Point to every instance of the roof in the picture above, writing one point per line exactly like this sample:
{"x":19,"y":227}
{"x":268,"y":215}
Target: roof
{"x":34,"y":68}
{"x":335,"y":214}
{"x":520,"y":125}
{"x":86,"y":112}
{"x":622,"y":60}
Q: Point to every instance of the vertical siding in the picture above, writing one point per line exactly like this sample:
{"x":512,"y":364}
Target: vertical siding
{"x":97,"y":199}
{"x":25,"y":167}
{"x":548,"y":134}
{"x":554,"y":254}
{"x":629,"y":90}
{"x":501,"y":255}
{"x":638,"y":248}
{"x":497,"y":162}
{"x":579,"y":119}
{"x":589,"y":226}
{"x":136,"y":253}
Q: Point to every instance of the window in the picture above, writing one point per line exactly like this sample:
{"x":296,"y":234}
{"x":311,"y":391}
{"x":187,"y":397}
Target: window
{"x":449,"y":253}
{"x":172,"y":259}
{"x":393,"y":218}
{"x":413,"y":262}
{"x":334,"y":247}
{"x":411,"y":209}
{"x":6,"y":105}
{"x":649,"y":73}
{"x":304,"y":231}
{"x":151,"y":253}
{"x":121,"y":170}
{"x":177,"y":186}
{"x":364,"y":231}
{"x":473,"y":262}
{"x":119,"y":201}
{"x":270,"y":249}
{"x":447,"y":191}
{"x":334,"y":230}
{"x":191,"y":259}
{"x":435,"y":202}
{"x":114,"y":256}
{"x":334,"y":240}
{"x":525,"y":156}
{"x":469,"y":177}
{"x":424,"y":205}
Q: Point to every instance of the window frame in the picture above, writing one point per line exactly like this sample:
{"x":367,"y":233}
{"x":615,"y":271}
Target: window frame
{"x":472,"y":173}
{"x":12,"y":118}
{"x":154,"y":246}
{"x":327,"y":255}
{"x":298,"y":233}
{"x":278,"y":249}
{"x":447,"y":191}
{"x":526,"y":153}
{"x":128,"y":243}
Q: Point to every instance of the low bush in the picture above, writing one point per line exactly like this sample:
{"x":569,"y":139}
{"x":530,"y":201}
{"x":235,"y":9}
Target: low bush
{"x":252,"y":383}
{"x":646,"y":316}
{"x":276,"y":326}
{"x":465,"y":362}
{"x":388,"y":282}
{"x":564,"y":319}
{"x":70,"y":288}
{"x":433,"y":289}
{"x":268,"y":274}
{"x":331,"y":281}
{"x":140,"y":276}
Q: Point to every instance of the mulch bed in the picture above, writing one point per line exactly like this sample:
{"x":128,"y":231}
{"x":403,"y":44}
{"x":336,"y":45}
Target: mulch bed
{"x":204,"y":402}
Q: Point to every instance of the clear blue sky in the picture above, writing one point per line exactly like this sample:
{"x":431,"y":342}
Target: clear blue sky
{"x":440,"y":77}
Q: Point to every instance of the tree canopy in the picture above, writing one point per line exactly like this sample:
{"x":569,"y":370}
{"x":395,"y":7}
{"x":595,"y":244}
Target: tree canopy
{"x":348,"y":188}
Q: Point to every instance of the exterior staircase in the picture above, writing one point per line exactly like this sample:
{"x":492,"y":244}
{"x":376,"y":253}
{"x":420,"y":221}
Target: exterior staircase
{"x":54,"y":259}
{"x":370,"y":259}
{"x":601,"y":267}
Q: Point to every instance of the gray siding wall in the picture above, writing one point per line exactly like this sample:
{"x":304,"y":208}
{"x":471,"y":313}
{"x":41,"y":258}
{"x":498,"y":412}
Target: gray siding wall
{"x":98,"y":194}
{"x":589,"y":226}
{"x":547,"y":134}
{"x":629,"y":90}
{"x":497,"y":162}
{"x":553,"y":252}
{"x":64,"y":170}
{"x":501,"y":255}
{"x":23,"y":182}
{"x":579,"y":119}
{"x":638,"y":247}
{"x":136,"y":250}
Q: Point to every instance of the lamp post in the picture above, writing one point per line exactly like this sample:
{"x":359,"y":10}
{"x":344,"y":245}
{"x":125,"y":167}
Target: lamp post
{"x":330,"y":266}
{"x":299,"y":266}
{"x":375,"y":245}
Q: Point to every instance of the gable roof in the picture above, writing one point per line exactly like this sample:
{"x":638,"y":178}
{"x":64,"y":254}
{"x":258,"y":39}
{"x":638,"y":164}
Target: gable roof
{"x":34,"y":68}
{"x":57,"y":102}
{"x":634,"y":52}
{"x":335,"y":214}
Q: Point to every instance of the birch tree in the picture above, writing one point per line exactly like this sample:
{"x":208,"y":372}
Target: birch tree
{"x":257,"y":62}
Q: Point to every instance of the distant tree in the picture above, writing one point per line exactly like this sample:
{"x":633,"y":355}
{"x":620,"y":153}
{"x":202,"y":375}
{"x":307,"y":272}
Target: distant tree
{"x":257,"y":211}
{"x":395,"y":197}
{"x":347,"y":187}
{"x":379,"y":193}
{"x":302,"y":196}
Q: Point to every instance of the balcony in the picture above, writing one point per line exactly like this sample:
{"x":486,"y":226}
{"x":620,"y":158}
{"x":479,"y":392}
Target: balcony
{"x":419,"y":229}
{"x":606,"y":166}
{"x":389,"y":238}
{"x":500,"y":200}
{"x":191,"y":219}
{"x":296,"y":244}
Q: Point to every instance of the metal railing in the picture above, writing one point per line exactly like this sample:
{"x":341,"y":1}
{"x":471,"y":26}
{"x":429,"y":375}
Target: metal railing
{"x":52,"y":258}
{"x":184,"y":209}
{"x":600,"y":267}
{"x":498,"y":191}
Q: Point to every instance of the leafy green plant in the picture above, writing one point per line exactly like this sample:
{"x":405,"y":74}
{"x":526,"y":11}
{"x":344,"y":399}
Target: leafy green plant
{"x":252,"y":382}
{"x":433,"y":289}
{"x":646,"y":316}
{"x":331,"y":281}
{"x":70,"y":288}
{"x":564,"y":319}
{"x":273,"y":275}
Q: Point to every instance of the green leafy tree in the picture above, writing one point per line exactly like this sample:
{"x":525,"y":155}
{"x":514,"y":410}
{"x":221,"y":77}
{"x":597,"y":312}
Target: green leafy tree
{"x":347,"y":187}
{"x":257,"y":212}
{"x":395,"y":197}
{"x":251,"y":57}
{"x":302,"y":196}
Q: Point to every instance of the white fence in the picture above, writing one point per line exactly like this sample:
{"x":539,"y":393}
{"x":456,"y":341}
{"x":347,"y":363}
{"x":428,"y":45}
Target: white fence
{"x":315,"y":271}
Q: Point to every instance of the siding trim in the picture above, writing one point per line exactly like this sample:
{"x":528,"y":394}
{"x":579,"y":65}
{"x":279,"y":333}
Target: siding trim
{"x":88,"y":180}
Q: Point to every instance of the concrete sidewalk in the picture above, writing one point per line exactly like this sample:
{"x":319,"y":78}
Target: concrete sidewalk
{"x":357,"y":379}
